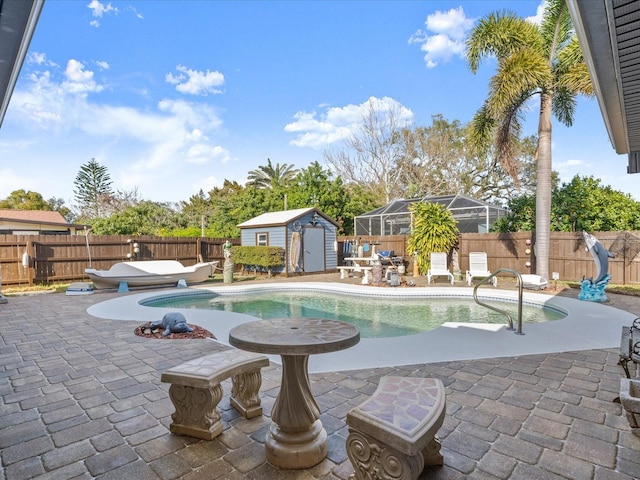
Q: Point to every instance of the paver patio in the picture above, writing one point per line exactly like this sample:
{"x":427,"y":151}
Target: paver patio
{"x":81,"y":398}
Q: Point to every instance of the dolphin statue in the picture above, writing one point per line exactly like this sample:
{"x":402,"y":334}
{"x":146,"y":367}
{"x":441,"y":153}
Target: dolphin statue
{"x":600,"y":255}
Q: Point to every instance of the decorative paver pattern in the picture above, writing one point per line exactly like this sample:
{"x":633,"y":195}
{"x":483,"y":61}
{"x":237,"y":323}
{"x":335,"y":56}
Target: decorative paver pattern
{"x":81,"y":397}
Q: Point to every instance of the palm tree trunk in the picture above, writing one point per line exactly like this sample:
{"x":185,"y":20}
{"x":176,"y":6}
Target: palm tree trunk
{"x":543,"y":187}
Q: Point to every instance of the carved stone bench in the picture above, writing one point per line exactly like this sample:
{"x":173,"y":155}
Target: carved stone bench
{"x":346,"y":269}
{"x":392,"y":435}
{"x":629,"y":347}
{"x":195,"y":390}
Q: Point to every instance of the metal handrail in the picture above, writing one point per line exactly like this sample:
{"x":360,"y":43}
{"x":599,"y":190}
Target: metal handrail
{"x":499,"y":310}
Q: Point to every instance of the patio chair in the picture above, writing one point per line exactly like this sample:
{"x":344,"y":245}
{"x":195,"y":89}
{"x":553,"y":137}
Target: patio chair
{"x":438,"y":267}
{"x":478,"y":267}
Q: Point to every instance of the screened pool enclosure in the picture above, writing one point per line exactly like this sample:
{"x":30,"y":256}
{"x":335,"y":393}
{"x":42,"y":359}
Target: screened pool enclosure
{"x":395,"y":219}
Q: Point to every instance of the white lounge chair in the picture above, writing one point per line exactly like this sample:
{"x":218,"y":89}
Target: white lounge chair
{"x":439,"y":267}
{"x":478,"y":267}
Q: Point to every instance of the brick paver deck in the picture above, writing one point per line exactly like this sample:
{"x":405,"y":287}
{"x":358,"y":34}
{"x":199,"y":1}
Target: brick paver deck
{"x":81,"y":398}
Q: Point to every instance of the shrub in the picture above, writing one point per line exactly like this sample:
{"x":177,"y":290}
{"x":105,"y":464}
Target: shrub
{"x":433,"y":230}
{"x":258,"y":258}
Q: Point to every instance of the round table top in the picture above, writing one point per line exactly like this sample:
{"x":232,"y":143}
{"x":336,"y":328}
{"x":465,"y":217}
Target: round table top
{"x":294,"y":336}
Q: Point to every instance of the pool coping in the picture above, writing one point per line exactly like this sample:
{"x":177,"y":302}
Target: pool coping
{"x":587,"y":326}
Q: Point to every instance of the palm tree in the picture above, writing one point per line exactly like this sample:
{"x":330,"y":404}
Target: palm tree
{"x":269,"y":176}
{"x":542,"y":61}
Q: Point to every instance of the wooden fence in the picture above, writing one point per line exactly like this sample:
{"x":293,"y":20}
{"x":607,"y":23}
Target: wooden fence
{"x":35,"y":259}
{"x":567,"y":252}
{"x":63,"y":258}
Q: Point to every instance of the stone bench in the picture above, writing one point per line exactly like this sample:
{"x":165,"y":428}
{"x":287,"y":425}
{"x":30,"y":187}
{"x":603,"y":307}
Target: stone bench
{"x":366,"y":272}
{"x":392,"y":434}
{"x":195,"y":390}
{"x":629,"y":348}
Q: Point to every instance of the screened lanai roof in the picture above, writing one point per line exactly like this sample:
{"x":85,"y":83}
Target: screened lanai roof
{"x":394,"y":218}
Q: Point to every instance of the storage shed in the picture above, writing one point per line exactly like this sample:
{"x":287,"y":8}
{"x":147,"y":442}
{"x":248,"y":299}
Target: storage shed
{"x":472,"y":215}
{"x":307,"y":235}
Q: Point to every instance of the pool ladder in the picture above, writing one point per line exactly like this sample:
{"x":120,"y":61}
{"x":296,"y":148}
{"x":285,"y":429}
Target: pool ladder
{"x":499,"y":310}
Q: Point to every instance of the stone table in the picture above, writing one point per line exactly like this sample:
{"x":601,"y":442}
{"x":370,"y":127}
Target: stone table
{"x":296,"y":438}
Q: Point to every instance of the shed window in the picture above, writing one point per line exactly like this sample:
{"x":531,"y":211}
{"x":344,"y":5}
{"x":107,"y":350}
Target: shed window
{"x":262,"y":239}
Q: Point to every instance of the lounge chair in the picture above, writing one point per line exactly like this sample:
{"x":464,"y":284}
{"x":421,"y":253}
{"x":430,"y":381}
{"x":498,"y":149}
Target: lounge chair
{"x":478,"y":267}
{"x":438,"y":267}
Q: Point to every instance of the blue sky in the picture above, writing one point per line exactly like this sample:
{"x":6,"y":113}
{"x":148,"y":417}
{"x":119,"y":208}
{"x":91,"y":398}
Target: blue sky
{"x":175,"y":96}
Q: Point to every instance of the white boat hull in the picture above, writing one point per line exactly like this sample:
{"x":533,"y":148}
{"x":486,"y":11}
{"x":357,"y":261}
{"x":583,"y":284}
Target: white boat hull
{"x":150,"y":273}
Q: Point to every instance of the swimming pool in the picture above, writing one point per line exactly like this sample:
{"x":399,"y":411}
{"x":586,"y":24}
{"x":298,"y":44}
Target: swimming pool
{"x":376,"y":317}
{"x":587,"y":325}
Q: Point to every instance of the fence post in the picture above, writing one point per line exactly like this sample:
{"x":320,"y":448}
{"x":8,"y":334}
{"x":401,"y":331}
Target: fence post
{"x":29,"y":261}
{"x":3,"y":299}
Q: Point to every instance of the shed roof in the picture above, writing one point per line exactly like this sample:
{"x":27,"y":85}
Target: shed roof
{"x":282,"y":217}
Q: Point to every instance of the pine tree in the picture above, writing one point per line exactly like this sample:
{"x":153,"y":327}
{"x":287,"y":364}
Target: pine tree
{"x":93,"y":188}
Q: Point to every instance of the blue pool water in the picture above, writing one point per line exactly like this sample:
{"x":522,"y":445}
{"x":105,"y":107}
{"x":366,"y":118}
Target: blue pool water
{"x":374,"y":316}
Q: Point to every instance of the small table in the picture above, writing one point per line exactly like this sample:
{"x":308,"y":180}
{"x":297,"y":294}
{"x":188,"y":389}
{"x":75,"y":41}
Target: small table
{"x":296,"y":438}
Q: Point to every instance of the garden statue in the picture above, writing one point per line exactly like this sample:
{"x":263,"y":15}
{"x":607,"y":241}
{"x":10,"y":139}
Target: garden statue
{"x":226,"y":250}
{"x":592,"y":289}
{"x":172,"y":322}
{"x":227,"y":270}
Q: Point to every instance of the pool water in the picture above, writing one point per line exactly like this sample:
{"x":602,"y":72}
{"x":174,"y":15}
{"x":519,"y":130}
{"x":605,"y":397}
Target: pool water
{"x":374,"y":316}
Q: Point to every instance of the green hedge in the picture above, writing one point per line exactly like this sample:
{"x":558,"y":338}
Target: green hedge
{"x":258,"y":258}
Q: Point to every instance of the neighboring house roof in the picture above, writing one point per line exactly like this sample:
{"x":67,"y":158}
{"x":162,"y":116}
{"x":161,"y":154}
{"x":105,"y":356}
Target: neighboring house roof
{"x":282,"y":218}
{"x":34,"y":216}
{"x":18,"y":19}
{"x":608,"y":34}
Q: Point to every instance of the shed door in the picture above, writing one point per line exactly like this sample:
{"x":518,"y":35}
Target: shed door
{"x":313,"y":249}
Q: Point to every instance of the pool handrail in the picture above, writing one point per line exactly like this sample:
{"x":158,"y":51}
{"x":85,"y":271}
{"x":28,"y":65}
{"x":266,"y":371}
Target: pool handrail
{"x":499,"y":310}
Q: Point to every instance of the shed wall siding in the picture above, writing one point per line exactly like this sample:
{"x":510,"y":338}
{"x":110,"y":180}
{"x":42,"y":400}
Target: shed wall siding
{"x":276,"y":236}
{"x":280,"y":236}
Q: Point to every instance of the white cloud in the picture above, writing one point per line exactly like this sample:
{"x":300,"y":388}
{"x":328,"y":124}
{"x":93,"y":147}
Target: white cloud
{"x":39,"y":58}
{"x":444,"y":36}
{"x":102,"y":65}
{"x":98,"y":9}
{"x":340,"y":123}
{"x":79,"y":80}
{"x":574,"y":163}
{"x":207,"y":184}
{"x":569,"y":168}
{"x":194,"y":82}
{"x":143,"y":147}
{"x":203,"y":153}
{"x":537,"y":19}
{"x":135,"y":12}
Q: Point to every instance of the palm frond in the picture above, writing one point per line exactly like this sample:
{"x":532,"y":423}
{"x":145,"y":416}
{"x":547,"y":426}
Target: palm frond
{"x":499,"y":34}
{"x":480,"y":132}
{"x":564,"y":105}
{"x":524,"y":72}
{"x":268,"y":176}
{"x":578,"y":80}
{"x":507,"y":141}
{"x":571,"y":69}
{"x":556,"y":27}
{"x":570,"y":56}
